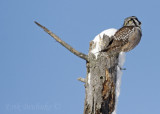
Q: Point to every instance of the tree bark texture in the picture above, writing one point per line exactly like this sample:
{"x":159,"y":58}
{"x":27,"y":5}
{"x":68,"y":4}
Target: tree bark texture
{"x":101,"y":82}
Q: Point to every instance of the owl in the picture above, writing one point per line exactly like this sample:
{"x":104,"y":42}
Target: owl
{"x":127,"y":37}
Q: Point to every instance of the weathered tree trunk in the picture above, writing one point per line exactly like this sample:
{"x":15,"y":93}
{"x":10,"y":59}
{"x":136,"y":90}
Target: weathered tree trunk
{"x":100,"y":83}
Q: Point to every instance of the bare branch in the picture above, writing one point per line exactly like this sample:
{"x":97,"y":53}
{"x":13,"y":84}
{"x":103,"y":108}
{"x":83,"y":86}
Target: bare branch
{"x":82,"y":79}
{"x":79,"y":54}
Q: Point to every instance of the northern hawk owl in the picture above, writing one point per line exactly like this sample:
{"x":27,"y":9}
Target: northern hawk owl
{"x":127,"y":37}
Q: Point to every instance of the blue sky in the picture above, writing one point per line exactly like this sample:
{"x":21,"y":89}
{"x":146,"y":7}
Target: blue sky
{"x":39,"y":76}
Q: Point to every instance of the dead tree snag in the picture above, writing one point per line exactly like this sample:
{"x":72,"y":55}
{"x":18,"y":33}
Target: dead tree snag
{"x":100,"y":83}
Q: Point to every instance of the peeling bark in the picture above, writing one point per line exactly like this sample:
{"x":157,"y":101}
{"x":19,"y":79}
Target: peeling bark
{"x":101,"y":83}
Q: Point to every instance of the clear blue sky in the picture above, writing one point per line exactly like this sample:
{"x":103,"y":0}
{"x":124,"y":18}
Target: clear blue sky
{"x":39,"y":76}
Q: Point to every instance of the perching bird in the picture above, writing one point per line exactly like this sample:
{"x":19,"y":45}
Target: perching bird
{"x":127,"y":37}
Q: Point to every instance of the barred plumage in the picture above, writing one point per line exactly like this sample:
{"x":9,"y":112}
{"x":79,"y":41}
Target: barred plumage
{"x":127,"y":37}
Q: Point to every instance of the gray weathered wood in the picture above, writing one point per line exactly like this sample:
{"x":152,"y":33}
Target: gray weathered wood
{"x":63,"y":43}
{"x":101,"y":83}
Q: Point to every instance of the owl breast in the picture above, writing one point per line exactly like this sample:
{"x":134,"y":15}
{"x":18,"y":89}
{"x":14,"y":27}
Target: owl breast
{"x":125,"y":39}
{"x":133,"y":39}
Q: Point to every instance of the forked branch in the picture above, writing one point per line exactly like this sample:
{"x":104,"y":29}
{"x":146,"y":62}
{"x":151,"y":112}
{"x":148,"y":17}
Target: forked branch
{"x":79,"y":54}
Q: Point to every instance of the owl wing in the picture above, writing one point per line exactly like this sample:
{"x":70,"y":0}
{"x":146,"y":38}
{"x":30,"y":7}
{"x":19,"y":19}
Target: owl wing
{"x":121,"y":38}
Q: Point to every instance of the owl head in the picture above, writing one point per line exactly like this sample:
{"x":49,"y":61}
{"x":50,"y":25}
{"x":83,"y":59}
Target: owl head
{"x":132,"y":21}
